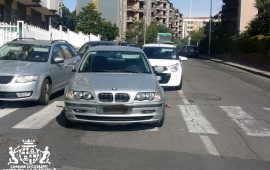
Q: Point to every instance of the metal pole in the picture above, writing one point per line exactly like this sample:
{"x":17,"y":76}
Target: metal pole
{"x":210,"y":29}
{"x":145,"y":23}
{"x":190,"y":7}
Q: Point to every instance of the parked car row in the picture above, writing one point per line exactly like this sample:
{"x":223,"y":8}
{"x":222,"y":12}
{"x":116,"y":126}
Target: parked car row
{"x":112,"y":84}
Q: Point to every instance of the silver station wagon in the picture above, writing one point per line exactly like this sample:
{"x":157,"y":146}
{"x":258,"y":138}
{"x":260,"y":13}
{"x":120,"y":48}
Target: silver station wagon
{"x":32,"y":70}
{"x":114,"y":85}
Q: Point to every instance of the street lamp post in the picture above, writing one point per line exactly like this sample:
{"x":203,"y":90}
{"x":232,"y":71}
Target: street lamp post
{"x":210,"y":29}
{"x":190,"y":9}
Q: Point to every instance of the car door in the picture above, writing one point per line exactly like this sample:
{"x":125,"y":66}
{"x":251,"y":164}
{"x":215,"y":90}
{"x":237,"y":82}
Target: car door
{"x":57,"y":70}
{"x":71,"y":60}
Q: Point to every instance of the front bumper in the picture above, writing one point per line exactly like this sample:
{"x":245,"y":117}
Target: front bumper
{"x":8,"y":92}
{"x":170,"y":79}
{"x":134,"y":113}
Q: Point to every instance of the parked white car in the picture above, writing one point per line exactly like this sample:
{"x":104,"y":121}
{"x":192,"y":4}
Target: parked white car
{"x":165,"y":63}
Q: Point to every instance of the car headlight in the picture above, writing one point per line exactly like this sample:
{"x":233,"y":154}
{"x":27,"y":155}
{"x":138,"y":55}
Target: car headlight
{"x":77,"y":95}
{"x":26,"y":78}
{"x":149,"y":96}
{"x":174,"y":67}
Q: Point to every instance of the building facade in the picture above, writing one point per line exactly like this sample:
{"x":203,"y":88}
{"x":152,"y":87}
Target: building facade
{"x":124,"y":13}
{"x":236,"y":15}
{"x":35,"y":12}
{"x":193,"y":24}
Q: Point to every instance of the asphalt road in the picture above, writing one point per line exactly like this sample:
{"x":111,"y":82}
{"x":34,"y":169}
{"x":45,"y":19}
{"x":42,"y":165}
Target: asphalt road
{"x":220,"y":120}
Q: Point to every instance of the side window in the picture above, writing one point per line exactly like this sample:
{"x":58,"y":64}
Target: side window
{"x":73,"y":51}
{"x":66,"y":51}
{"x":57,"y":52}
{"x":83,"y":49}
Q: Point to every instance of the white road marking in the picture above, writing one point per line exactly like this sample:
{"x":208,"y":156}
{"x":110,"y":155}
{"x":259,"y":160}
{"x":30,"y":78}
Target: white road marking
{"x":4,"y":112}
{"x":266,"y":109}
{"x":195,"y":120}
{"x":210,"y":147}
{"x":41,"y":118}
{"x":247,"y":123}
{"x":183,"y":97}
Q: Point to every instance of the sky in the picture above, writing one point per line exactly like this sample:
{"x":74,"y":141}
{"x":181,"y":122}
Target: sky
{"x":198,"y":8}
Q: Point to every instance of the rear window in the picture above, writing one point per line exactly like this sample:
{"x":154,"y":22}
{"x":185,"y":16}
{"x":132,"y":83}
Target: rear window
{"x":160,"y":52}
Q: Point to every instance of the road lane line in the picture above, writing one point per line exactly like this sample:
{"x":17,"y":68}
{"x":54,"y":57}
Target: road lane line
{"x":41,"y":118}
{"x":195,"y":120}
{"x":247,"y":123}
{"x":4,"y":112}
{"x":266,"y":109}
{"x":183,"y":97}
{"x":210,"y":147}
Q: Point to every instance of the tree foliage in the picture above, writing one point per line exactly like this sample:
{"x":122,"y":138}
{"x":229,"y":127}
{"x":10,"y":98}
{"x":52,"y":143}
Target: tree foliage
{"x":135,"y":33}
{"x":67,"y":21}
{"x":197,"y":36}
{"x":261,"y":23}
{"x":153,"y":29}
{"x":90,"y":21}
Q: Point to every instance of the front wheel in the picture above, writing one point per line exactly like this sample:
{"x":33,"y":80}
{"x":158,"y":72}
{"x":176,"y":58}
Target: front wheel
{"x":44,"y":98}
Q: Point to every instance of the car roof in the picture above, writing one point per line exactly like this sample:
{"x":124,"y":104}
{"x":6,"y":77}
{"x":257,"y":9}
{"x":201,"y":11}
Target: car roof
{"x":37,"y":42}
{"x":116,"y":48}
{"x":159,"y":45}
{"x":107,"y":42}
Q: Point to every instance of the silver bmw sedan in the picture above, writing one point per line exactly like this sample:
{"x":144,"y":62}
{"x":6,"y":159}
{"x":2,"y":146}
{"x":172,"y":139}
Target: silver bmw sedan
{"x":114,"y":85}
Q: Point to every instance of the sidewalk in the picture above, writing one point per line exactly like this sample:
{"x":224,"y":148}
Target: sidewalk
{"x":258,"y":71}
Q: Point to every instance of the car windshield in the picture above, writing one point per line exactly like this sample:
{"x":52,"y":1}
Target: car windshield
{"x":111,"y":61}
{"x":24,"y":52}
{"x":160,"y":52}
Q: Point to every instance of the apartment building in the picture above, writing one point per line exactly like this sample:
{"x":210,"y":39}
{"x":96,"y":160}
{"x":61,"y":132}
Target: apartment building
{"x":236,"y":14}
{"x":35,"y":12}
{"x":193,"y":24}
{"x":124,"y":13}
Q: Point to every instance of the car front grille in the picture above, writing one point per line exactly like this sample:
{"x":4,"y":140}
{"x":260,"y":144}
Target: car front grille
{"x":109,"y":97}
{"x":121,"y":97}
{"x":105,"y":97}
{"x":165,"y":77}
{"x":5,"y":79}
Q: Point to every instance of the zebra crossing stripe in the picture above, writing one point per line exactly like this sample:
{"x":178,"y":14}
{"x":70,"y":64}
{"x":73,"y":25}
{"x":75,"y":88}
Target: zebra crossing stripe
{"x":247,"y":123}
{"x":4,"y":112}
{"x":41,"y":118}
{"x":195,"y":120}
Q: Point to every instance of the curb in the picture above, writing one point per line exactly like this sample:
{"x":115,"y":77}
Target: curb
{"x":251,"y":70}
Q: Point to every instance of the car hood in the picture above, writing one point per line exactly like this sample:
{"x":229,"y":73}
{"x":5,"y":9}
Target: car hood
{"x":162,"y":62}
{"x":16,"y":67}
{"x":107,"y":81}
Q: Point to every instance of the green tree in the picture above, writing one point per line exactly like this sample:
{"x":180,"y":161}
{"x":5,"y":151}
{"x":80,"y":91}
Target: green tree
{"x":90,"y":21}
{"x":261,"y":23}
{"x":68,"y":20}
{"x":135,"y":33}
{"x":197,"y":36}
{"x":153,"y":29}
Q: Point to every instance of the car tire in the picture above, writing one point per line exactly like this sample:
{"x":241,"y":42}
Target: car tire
{"x":179,"y":87}
{"x":44,"y":98}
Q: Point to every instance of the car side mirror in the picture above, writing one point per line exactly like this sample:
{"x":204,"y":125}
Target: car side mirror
{"x":58,"y":60}
{"x":182,"y":58}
